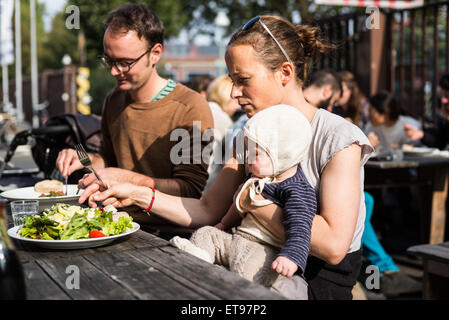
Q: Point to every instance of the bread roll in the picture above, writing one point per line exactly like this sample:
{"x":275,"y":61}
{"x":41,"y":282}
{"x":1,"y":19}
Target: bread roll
{"x":47,"y":186}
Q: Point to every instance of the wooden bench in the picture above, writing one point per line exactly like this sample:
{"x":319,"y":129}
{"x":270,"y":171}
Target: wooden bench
{"x":436,"y":269}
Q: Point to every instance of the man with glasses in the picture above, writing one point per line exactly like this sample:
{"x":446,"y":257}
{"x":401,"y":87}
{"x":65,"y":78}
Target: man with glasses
{"x":141,"y":112}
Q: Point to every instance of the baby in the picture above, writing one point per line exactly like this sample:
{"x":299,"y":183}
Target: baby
{"x":276,"y":140}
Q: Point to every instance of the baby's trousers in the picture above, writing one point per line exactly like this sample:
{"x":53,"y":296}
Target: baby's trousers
{"x":240,"y":252}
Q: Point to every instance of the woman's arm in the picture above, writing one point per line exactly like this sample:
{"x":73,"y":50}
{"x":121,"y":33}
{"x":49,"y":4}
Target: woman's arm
{"x":188,"y":212}
{"x":333,"y":229}
{"x":231,"y":219}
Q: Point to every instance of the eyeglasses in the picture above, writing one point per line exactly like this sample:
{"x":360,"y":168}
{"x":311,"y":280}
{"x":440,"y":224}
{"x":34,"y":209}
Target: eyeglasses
{"x":120,"y":65}
{"x":251,"y":22}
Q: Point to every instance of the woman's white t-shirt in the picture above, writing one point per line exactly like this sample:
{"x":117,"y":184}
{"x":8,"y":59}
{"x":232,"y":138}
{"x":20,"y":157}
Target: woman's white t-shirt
{"x":330,"y":134}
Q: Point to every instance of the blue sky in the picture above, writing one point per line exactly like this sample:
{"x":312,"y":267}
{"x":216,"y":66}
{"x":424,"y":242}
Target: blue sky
{"x":51,"y":8}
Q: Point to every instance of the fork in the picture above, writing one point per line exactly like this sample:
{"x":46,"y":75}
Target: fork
{"x":85,"y":160}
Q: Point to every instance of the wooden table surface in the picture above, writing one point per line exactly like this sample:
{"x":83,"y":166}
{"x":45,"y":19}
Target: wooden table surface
{"x":141,"y":266}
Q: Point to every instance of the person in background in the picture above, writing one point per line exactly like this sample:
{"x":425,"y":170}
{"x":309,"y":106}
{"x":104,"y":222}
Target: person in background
{"x":435,"y":136}
{"x":354,"y":105}
{"x":267,"y":60}
{"x":136,"y":136}
{"x":395,"y":281}
{"x":218,"y":94}
{"x":323,"y":89}
{"x":200,"y":84}
{"x":386,"y":122}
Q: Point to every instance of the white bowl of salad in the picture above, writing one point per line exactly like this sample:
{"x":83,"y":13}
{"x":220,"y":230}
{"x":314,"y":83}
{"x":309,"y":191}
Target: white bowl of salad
{"x":71,"y":227}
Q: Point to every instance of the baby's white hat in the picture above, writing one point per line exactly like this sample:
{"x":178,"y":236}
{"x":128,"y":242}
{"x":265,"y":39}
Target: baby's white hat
{"x":283,"y":133}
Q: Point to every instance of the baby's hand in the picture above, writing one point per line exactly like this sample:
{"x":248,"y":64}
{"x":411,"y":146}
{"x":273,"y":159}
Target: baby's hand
{"x":284,"y":266}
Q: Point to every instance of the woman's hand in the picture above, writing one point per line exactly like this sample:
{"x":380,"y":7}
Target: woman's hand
{"x":121,"y":195}
{"x":220,"y":226}
{"x":284,"y":266}
{"x":110,"y":176}
{"x":106,"y":174}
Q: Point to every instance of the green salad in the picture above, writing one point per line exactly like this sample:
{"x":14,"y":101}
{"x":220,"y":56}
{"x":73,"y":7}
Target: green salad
{"x":67,"y":222}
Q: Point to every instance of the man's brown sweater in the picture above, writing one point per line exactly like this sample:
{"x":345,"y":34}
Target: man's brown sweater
{"x":136,"y":136}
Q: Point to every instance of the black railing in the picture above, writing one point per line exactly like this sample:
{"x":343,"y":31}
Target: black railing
{"x":415,"y":53}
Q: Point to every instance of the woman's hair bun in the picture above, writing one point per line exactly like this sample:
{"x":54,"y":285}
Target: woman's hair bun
{"x":312,"y":41}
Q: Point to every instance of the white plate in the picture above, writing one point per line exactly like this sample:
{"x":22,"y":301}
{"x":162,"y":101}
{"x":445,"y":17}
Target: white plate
{"x":416,"y":151}
{"x":28,"y":193}
{"x":71,"y":244}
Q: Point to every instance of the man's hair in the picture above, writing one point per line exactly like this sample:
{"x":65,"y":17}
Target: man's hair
{"x":323,"y":78}
{"x":444,"y":81}
{"x":137,"y":17}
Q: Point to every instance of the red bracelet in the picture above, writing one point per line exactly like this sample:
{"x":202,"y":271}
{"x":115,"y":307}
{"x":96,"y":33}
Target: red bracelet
{"x":151,"y":203}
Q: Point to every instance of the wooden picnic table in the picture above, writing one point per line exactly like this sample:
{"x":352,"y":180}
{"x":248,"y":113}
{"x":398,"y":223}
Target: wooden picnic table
{"x":140,"y":266}
{"x":431,"y":177}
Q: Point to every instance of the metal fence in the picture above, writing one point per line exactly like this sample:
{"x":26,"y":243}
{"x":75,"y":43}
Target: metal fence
{"x":406,"y":55}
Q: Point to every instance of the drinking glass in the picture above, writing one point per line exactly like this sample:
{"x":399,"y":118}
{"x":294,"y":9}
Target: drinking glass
{"x":22,"y":208}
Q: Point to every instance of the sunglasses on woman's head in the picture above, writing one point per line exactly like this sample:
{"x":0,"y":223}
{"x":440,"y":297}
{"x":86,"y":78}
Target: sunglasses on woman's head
{"x":253,"y":21}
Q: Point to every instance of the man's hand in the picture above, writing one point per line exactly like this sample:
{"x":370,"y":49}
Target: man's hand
{"x":67,"y":162}
{"x":284,"y":266}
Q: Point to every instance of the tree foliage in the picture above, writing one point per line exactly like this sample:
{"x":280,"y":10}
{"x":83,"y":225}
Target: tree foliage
{"x":240,"y":11}
{"x":176,"y":15}
{"x":58,"y":42}
{"x":93,"y":14}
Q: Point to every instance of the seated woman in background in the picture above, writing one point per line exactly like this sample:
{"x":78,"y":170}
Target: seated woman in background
{"x":386,"y":122}
{"x":388,"y":125}
{"x":223,"y":107}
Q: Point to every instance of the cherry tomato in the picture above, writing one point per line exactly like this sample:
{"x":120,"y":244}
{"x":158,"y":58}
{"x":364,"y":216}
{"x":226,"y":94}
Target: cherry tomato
{"x":96,"y":234}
